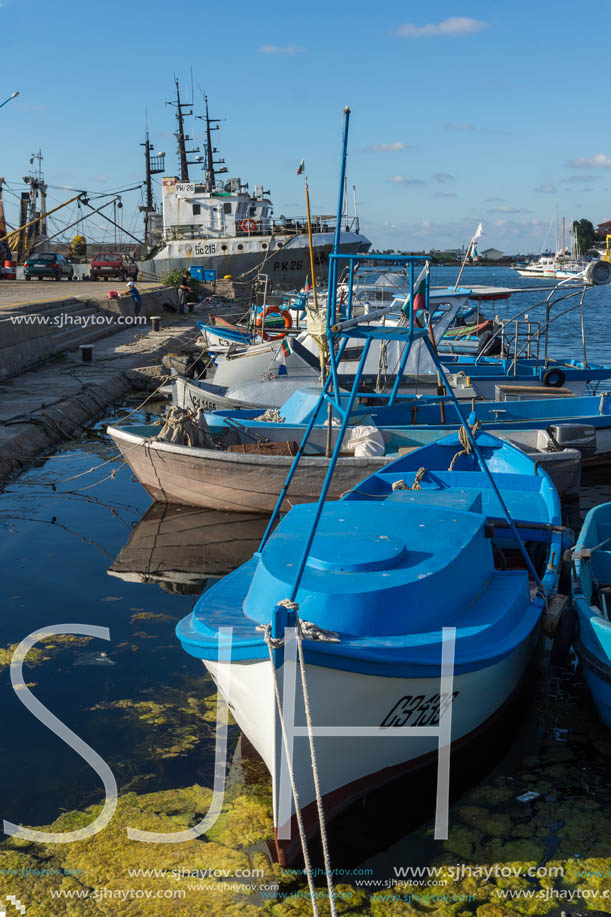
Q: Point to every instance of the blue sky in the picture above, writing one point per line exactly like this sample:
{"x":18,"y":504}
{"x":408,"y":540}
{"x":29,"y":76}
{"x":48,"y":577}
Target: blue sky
{"x":461,"y":111}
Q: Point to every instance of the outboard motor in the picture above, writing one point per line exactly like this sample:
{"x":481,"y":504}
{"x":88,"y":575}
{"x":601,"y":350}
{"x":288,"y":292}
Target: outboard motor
{"x":558,"y":436}
{"x":598,"y":272}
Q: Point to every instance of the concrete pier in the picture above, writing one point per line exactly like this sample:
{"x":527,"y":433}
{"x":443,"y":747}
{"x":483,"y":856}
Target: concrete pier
{"x":46,"y":392}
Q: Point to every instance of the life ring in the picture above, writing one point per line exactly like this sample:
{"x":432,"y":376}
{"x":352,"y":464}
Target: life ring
{"x":553,"y":378}
{"x":274,"y":310}
{"x":248,"y":225}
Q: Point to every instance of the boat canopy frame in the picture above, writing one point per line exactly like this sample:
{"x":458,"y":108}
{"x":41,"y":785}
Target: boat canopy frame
{"x":341,"y":326}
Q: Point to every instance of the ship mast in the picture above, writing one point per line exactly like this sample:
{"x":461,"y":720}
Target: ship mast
{"x":212,"y":124}
{"x":154,"y":165}
{"x":181,"y":137}
{"x":36,"y":181}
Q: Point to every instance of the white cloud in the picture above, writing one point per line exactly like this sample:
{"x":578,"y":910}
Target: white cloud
{"x":456,"y":25}
{"x":545,"y":189}
{"x":402,"y":180}
{"x":277,"y":49}
{"x":445,"y":194}
{"x":510,"y":210}
{"x":395,"y":147}
{"x":443,"y":177}
{"x":491,"y":200}
{"x":580,"y":179}
{"x":461,"y":127}
{"x":597,"y":161}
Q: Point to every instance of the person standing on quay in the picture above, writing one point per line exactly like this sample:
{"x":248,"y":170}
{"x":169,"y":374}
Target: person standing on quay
{"x":136,"y":297}
{"x":184,"y":289}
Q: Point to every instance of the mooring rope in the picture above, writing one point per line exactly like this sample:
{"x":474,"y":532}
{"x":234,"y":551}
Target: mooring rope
{"x":271,"y":645}
{"x":465,"y":442}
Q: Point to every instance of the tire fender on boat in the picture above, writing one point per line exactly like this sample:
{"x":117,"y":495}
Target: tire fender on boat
{"x":553,"y":378}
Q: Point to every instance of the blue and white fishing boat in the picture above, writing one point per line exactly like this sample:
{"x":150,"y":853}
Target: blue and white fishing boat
{"x":367,"y":636}
{"x":592,"y":599}
{"x":544,"y":424}
{"x":413,"y":549}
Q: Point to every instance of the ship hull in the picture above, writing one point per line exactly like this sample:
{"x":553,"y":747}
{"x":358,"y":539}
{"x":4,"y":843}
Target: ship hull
{"x":284,"y":259}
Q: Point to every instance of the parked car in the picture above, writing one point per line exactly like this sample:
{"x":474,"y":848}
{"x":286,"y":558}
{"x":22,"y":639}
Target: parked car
{"x":113,"y":264}
{"x":47,"y":264}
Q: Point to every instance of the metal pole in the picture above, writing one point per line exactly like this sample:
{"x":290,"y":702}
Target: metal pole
{"x":41,"y":217}
{"x":487,"y":472}
{"x":327,"y":482}
{"x":583,"y":331}
{"x":103,"y":215}
{"x":340,"y":208}
{"x":302,"y":445}
{"x":307,"y":194}
{"x":69,"y":226}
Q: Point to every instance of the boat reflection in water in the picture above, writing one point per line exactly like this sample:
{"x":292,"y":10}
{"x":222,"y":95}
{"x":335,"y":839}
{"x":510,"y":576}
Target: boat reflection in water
{"x":180,"y":547}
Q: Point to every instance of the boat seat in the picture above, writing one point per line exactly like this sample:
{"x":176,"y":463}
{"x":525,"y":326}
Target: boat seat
{"x":468,"y":500}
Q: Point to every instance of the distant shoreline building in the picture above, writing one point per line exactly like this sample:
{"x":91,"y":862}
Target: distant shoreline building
{"x":490,"y":254}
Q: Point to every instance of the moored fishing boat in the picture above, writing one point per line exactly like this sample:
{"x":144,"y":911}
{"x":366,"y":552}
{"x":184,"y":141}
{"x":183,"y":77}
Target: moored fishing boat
{"x":545,"y":424}
{"x":368,"y":635}
{"x":592,"y":599}
{"x":389,"y":567}
{"x":229,"y":481}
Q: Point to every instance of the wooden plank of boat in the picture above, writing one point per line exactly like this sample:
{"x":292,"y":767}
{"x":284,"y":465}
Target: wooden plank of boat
{"x":213,"y":479}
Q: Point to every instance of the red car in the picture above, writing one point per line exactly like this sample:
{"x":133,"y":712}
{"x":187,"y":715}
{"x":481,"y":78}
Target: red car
{"x":113,"y":264}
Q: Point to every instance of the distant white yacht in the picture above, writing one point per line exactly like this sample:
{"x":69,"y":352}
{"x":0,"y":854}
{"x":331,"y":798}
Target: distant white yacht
{"x":559,"y":267}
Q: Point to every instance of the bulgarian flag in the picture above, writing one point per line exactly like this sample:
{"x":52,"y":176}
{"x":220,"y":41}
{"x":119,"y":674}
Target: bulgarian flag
{"x":285,"y":347}
{"x":419,"y":294}
{"x":301,"y":168}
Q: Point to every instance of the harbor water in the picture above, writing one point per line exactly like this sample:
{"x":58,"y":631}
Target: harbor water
{"x":149,"y":709}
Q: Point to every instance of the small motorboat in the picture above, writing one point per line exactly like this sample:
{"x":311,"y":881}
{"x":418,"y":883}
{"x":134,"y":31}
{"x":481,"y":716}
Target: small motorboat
{"x":592,"y":599}
{"x":421,"y":545}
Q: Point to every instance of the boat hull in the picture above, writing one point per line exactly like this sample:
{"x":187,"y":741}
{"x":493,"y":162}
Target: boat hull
{"x":230,"y":481}
{"x":349,"y":766}
{"x":597,"y":673}
{"x":285,"y":259}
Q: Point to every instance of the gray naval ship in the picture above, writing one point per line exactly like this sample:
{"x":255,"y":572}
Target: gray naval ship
{"x":219,"y":225}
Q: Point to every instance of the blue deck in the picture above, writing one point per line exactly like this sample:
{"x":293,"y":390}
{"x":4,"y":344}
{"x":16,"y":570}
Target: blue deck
{"x":421,"y":415}
{"x":388,"y":569}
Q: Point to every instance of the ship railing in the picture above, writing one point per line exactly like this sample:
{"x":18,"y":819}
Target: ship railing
{"x":255,"y":227}
{"x":516,"y":339}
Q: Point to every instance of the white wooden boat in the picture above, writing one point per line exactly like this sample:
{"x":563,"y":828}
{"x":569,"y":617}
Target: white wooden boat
{"x":230,"y":481}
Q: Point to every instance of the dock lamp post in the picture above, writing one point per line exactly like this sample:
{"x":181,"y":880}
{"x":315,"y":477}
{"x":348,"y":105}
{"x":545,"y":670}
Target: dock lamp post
{"x":12,"y":96}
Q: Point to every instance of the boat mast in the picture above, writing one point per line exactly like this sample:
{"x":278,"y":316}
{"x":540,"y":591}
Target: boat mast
{"x":154,"y":165}
{"x":37,"y":228}
{"x":212,"y":124}
{"x":180,"y":135}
